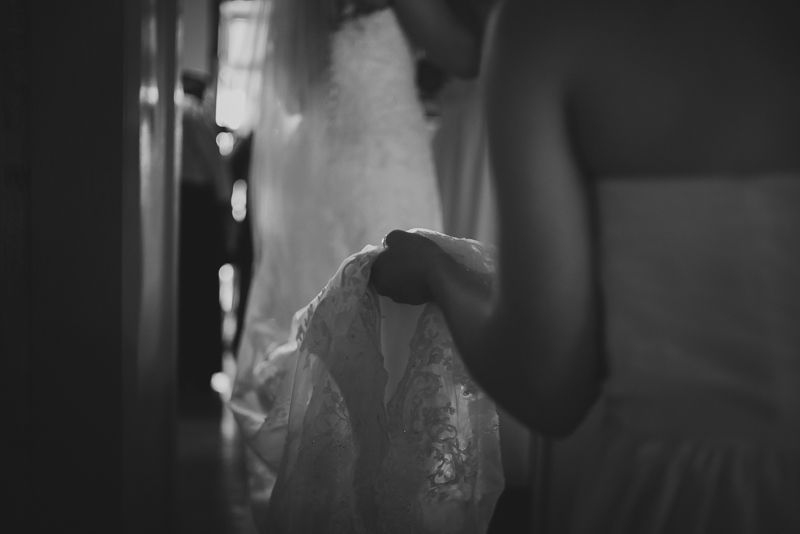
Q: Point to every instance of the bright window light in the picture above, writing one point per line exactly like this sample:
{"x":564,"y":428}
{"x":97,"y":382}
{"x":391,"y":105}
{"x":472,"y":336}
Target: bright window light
{"x":221,"y":384}
{"x":225,"y":141}
{"x":239,"y":200}
{"x":230,"y":107}
{"x":226,"y":287}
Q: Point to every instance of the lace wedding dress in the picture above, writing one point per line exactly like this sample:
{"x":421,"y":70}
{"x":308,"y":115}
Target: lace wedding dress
{"x":367,"y":421}
{"x":351,"y":166}
{"x":358,"y":414}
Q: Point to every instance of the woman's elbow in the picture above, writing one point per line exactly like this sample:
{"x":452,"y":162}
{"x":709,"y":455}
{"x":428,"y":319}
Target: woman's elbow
{"x":558,"y":416}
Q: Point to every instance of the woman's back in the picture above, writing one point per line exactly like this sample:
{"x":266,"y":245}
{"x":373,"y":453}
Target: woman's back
{"x":685,"y":123}
{"x":648,"y":188}
{"x":687,"y":88}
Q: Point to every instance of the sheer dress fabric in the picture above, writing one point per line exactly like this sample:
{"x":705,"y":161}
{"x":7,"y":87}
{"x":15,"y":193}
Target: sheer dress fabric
{"x":348,"y":168}
{"x":367,"y":421}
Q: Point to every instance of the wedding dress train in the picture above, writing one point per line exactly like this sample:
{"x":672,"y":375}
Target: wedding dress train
{"x":367,"y":421}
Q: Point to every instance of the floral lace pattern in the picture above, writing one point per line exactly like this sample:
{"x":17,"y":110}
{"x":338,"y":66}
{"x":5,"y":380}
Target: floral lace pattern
{"x":343,"y":460}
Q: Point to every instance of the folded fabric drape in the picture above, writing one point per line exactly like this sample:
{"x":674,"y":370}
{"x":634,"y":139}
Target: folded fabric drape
{"x":366,"y":419}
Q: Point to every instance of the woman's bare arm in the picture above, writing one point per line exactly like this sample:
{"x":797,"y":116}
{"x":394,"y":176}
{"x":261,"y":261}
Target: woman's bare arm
{"x":533,"y":343}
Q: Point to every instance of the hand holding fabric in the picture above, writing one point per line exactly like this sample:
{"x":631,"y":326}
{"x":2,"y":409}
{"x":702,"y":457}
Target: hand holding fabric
{"x":402,"y":271}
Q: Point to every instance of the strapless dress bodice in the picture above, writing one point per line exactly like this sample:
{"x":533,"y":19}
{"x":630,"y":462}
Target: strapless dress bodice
{"x":701,"y":289}
{"x":701,"y":282}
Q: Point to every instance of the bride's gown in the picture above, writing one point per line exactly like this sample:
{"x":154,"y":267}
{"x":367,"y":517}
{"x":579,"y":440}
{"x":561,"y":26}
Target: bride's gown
{"x":365,"y":420}
{"x":353,"y":165}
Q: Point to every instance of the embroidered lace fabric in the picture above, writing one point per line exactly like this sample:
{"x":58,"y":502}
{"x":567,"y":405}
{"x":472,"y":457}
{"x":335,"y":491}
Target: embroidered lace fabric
{"x":324,"y":414}
{"x":341,"y":453}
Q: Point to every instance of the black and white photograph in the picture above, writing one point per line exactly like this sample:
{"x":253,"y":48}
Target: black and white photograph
{"x":400,"y":266}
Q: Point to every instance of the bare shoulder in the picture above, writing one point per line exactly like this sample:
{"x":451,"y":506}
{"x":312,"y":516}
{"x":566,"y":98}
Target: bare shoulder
{"x":683,"y":86}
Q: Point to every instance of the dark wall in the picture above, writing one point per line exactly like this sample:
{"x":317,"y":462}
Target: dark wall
{"x":15,"y":331}
{"x":75,"y":365}
{"x":149,"y":264}
{"x":88,"y":230}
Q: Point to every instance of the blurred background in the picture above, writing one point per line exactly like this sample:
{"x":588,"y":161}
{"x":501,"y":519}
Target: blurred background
{"x":113,"y":427}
